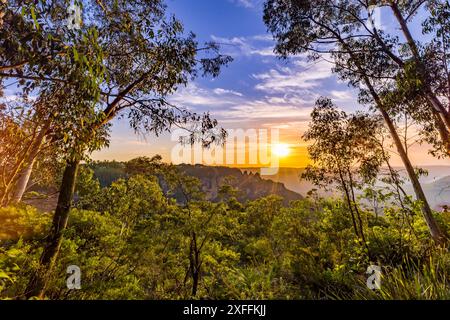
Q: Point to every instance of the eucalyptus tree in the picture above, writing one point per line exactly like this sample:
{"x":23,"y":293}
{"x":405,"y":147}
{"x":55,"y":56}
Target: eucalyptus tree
{"x":51,"y":65}
{"x":412,"y":62}
{"x":188,"y":222}
{"x":145,"y":56}
{"x":427,"y":63}
{"x":12,"y":137}
{"x":118,"y":45}
{"x":367,"y":58}
{"x":345,"y":153}
{"x":198,"y":220}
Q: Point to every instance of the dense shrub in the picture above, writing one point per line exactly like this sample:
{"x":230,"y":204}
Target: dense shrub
{"x":132,"y":242}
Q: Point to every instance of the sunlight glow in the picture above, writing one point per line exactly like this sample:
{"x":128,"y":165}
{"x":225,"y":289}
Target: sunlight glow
{"x":281,"y":150}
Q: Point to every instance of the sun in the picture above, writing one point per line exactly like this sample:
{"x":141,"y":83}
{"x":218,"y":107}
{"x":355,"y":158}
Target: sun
{"x":281,"y":150}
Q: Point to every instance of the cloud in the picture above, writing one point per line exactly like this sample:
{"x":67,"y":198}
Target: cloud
{"x":229,"y":104}
{"x":283,"y":95}
{"x":220,"y":91}
{"x":193,"y":95}
{"x":301,"y":97}
{"x":299,"y":77}
{"x":263,"y":37}
{"x":267,"y":51}
{"x":246,"y":3}
{"x":259,"y":45}
{"x":302,"y":124}
{"x":265,"y":109}
{"x":342,"y":95}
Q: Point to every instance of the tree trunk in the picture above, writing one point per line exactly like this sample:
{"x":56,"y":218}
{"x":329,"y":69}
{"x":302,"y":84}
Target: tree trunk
{"x":19,"y":180}
{"x":358,"y":214}
{"x":441,"y":114}
{"x":37,"y":285}
{"x":194,"y":256}
{"x":349,"y":203}
{"x":195,"y":276}
{"x":22,"y":182}
{"x":437,"y":235}
{"x":435,"y":231}
{"x":443,"y":131}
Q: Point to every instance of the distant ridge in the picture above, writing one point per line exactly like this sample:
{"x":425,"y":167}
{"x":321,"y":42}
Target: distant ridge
{"x":286,"y":183}
{"x":436,"y":184}
{"x":438,"y":193}
{"x":250,"y":184}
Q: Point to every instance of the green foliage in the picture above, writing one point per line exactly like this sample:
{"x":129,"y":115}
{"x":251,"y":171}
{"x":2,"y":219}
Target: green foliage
{"x":21,"y":230}
{"x":424,"y":280}
{"x":133,"y":242}
{"x":21,"y":222}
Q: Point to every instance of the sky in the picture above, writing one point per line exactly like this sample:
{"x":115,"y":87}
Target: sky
{"x":256,"y":91}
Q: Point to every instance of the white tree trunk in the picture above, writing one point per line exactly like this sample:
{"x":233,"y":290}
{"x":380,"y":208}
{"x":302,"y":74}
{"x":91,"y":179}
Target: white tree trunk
{"x":22,"y":182}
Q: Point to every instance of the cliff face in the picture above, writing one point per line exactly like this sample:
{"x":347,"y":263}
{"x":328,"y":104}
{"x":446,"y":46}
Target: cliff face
{"x":250,"y":185}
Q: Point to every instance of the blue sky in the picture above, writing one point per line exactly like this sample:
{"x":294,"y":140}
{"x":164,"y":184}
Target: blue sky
{"x":258,"y":90}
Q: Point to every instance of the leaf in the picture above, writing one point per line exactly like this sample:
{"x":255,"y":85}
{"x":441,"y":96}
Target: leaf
{"x":33,"y":15}
{"x":4,"y":275}
{"x":75,"y":54}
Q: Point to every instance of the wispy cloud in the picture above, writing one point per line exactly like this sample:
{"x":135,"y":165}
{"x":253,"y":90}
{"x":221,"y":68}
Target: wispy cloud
{"x":261,"y":45}
{"x":246,"y":3}
{"x":227,"y":104}
{"x":346,"y":95}
{"x":264,"y":109}
{"x":300,"y":76}
{"x":263,"y":37}
{"x":300,"y":125}
{"x":194,"y":96}
{"x":220,"y":91}
{"x":288,"y":96}
{"x":282,"y":96}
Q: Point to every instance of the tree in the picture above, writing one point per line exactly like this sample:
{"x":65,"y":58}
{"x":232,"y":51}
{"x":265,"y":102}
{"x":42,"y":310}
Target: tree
{"x":107,"y":59}
{"x":57,"y":65}
{"x":344,"y":151}
{"x":422,"y":62}
{"x":144,"y":64}
{"x":321,"y":25}
{"x":361,"y":55}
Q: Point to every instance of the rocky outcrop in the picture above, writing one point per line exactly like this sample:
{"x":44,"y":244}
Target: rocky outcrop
{"x":250,"y":185}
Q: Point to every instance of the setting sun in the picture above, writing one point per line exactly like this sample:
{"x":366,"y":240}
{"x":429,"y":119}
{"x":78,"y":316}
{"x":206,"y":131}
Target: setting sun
{"x":281,"y":150}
